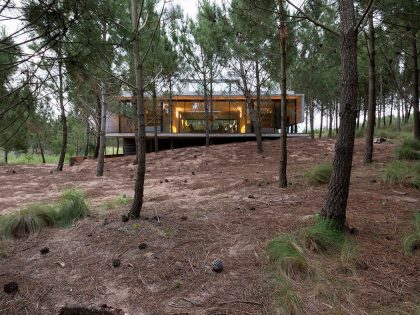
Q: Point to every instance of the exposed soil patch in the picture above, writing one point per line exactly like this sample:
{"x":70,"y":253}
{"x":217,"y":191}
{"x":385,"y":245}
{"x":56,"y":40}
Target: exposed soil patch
{"x":198,"y":208}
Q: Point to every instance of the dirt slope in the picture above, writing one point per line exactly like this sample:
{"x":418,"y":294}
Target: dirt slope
{"x":221,"y":201}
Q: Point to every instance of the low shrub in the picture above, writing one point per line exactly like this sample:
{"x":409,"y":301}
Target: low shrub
{"x":412,"y":241}
{"x":72,"y":206}
{"x":408,"y":150}
{"x":319,"y":174}
{"x":325,"y":235}
{"x":402,"y":173}
{"x":287,"y":254}
{"x":28,"y":221}
{"x":33,"y":218}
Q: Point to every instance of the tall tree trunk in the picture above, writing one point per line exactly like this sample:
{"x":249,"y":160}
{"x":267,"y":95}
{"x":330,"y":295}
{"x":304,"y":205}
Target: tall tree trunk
{"x":155,"y":135}
{"x":250,"y":106}
{"x":311,"y":119}
{"x":87,"y":136}
{"x":258,"y":133}
{"x":330,"y":122}
{"x":358,"y":116}
{"x":338,"y":190}
{"x":141,"y":145}
{"x":380,"y":104}
{"x":372,"y":92}
{"x":211,"y":98}
{"x":41,"y":148}
{"x":102,"y":140}
{"x":337,"y":109}
{"x":170,"y":104}
{"x":119,"y":128}
{"x":6,"y":154}
{"x":63,"y":112}
{"x":283,"y":139}
{"x":391,"y":109}
{"x":365,"y":107}
{"x":399,"y":115}
{"x":322,"y":121}
{"x":98,"y":124}
{"x":206,"y":110}
{"x":416,"y":113}
{"x":407,"y":111}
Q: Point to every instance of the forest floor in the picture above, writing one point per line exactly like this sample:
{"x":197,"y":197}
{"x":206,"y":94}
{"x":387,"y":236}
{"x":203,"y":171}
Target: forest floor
{"x":217,"y":202}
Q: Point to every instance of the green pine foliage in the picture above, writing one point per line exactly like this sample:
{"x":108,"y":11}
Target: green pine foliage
{"x":33,"y":218}
{"x":402,"y":173}
{"x":412,"y":241}
{"x":319,"y":174}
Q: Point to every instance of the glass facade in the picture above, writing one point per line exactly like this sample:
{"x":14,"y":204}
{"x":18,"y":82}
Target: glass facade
{"x":226,"y":114}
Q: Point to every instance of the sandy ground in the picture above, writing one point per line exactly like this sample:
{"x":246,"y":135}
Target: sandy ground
{"x":218,"y":202}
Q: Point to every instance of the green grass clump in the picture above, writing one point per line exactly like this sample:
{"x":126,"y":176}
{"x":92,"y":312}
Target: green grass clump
{"x":287,"y":297}
{"x":319,"y":174}
{"x":72,"y":206}
{"x":412,"y":241}
{"x":360,"y":133}
{"x":117,"y":202}
{"x":408,"y":150}
{"x":28,"y":221}
{"x":325,"y":236}
{"x":33,"y":218}
{"x":287,"y":254}
{"x":402,"y":173}
{"x":3,"y":251}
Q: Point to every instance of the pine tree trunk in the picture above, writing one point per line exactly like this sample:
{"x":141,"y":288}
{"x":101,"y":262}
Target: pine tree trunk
{"x":87,"y":137}
{"x":211,"y":99}
{"x":416,"y":113}
{"x":6,"y":155}
{"x":337,"y":109}
{"x":136,"y":128}
{"x":380,"y":104}
{"x":365,"y":107}
{"x":358,"y":116}
{"x":102,"y":140}
{"x":338,"y":190}
{"x":206,"y":110}
{"x":283,"y":104}
{"x":258,"y":132}
{"x":155,"y":135}
{"x":250,"y":106}
{"x":322,"y":121}
{"x":372,"y":93}
{"x":330,"y":123}
{"x":311,"y":119}
{"x":98,"y":123}
{"x":63,"y":113}
{"x":398,"y":115}
{"x":41,"y":149}
{"x":392,"y":108}
{"x":141,"y":145}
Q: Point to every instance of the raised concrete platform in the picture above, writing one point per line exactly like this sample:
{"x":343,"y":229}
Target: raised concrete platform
{"x":251,"y":136}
